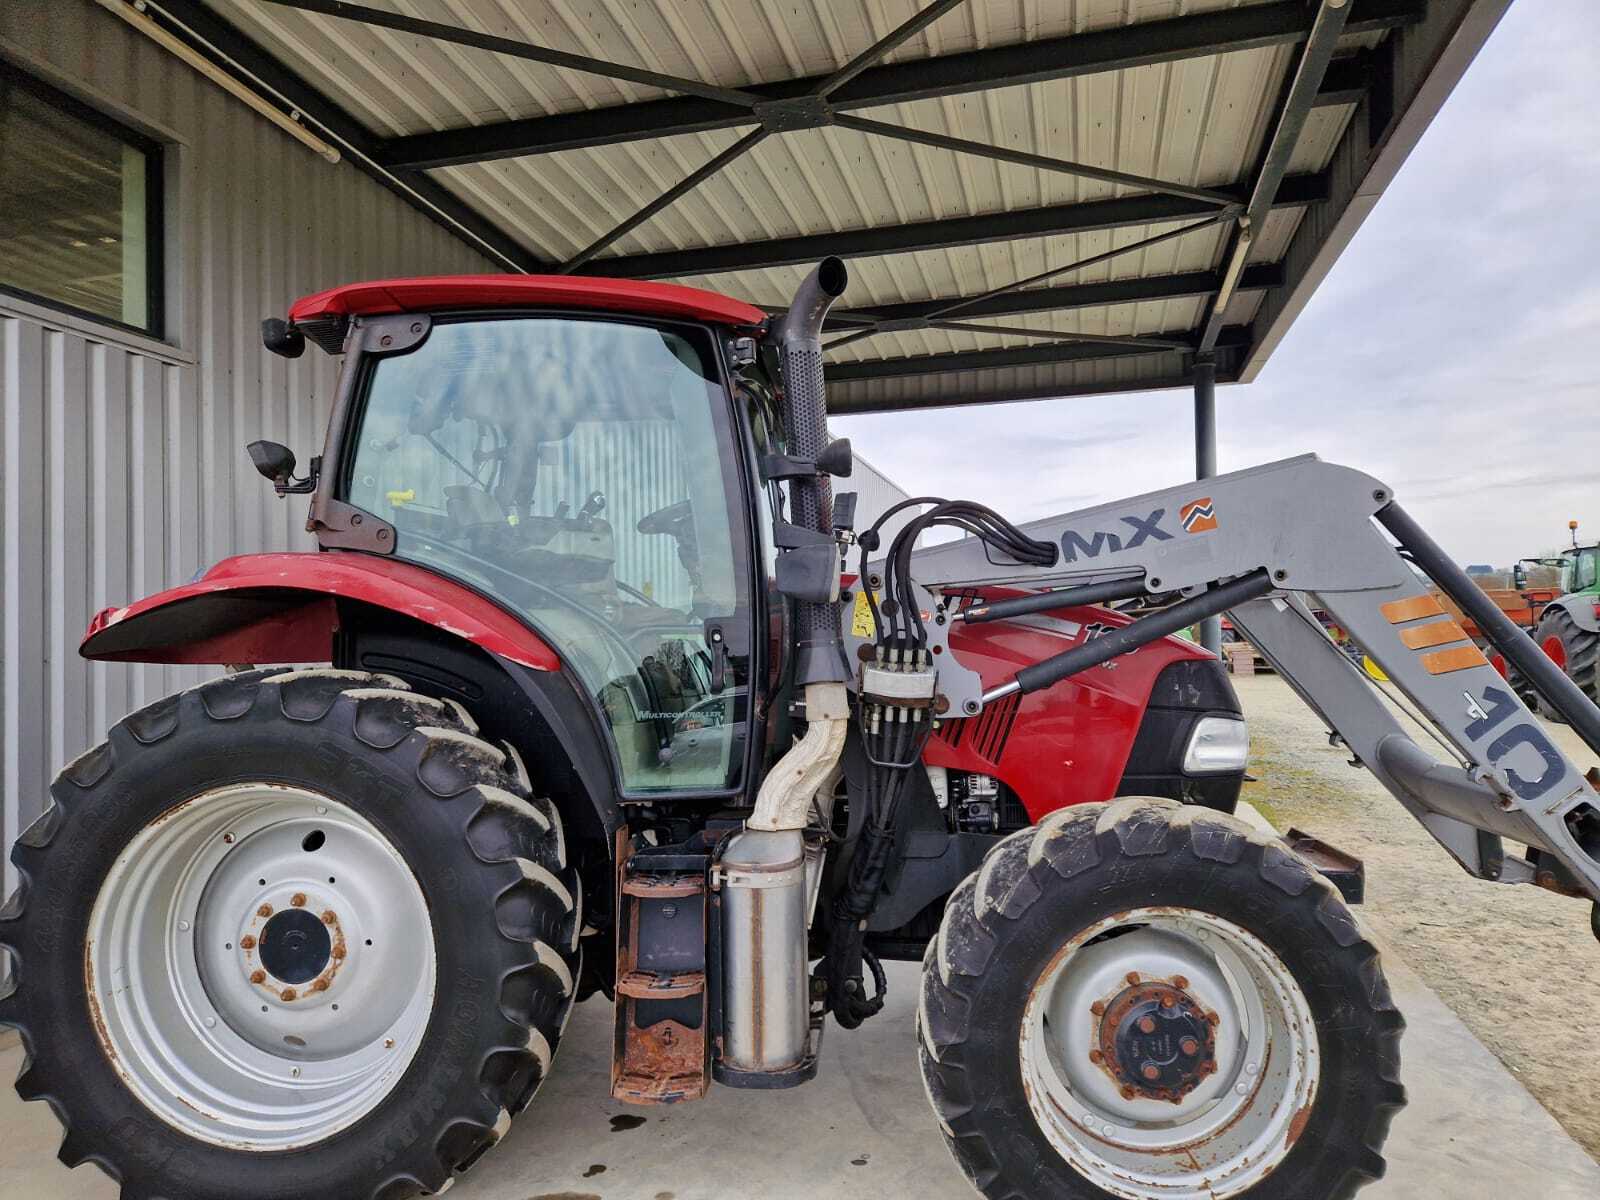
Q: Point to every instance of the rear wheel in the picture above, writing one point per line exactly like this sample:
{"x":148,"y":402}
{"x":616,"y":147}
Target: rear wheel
{"x":290,"y":933}
{"x":1148,"y":1002}
{"x":1572,"y":648}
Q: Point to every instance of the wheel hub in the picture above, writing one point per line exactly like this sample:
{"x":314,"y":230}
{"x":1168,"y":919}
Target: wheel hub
{"x":1157,"y":1041}
{"x":295,"y":946}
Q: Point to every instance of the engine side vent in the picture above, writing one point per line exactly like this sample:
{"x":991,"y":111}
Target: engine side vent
{"x":991,"y":729}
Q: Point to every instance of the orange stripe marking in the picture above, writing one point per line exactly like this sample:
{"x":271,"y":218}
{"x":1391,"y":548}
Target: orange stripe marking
{"x":1442,"y":662}
{"x":1411,"y":608}
{"x":1436,"y":633}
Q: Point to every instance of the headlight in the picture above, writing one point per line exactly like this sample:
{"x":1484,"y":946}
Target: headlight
{"x":1217,"y":744}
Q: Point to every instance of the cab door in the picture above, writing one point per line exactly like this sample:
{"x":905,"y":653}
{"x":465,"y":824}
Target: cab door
{"x":583,"y":472}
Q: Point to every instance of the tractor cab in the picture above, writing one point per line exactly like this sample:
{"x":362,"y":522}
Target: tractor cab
{"x":576,"y":452}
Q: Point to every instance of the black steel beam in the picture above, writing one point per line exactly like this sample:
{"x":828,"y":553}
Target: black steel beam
{"x":1081,"y":295}
{"x":243,"y":56}
{"x":1330,"y":22}
{"x":1019,"y":356}
{"x":1346,"y":82}
{"x":1054,"y":220}
{"x":844,"y":400}
{"x":1114,"y":49}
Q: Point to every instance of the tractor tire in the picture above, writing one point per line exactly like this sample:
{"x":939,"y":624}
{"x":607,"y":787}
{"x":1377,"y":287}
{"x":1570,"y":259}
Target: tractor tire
{"x":289,"y":933}
{"x":1140,"y":1000}
{"x":1574,"y":649}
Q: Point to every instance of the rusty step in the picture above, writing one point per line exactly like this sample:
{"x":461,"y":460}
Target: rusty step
{"x":662,"y":985}
{"x":663,"y":887}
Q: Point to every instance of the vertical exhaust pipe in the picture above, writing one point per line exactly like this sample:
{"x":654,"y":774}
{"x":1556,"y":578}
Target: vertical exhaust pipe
{"x":765,"y":1011}
{"x":798,"y":334}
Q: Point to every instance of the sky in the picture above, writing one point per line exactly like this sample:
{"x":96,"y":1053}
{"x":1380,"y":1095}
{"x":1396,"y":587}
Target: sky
{"x":1453,"y":351}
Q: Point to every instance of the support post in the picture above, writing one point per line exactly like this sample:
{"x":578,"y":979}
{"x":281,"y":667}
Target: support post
{"x":1205,"y":461}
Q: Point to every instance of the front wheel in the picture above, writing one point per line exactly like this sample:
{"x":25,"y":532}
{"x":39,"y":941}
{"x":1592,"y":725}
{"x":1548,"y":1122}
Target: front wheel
{"x":288,"y":934}
{"x":1152,"y":1002}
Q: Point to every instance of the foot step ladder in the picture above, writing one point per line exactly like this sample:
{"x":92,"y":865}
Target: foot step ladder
{"x":661,"y":1052}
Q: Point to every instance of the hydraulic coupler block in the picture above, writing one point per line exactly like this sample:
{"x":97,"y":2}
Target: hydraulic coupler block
{"x":765,"y":1006}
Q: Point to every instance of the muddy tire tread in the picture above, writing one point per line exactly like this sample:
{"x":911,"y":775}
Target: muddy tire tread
{"x":512,"y":834}
{"x":1017,"y":875}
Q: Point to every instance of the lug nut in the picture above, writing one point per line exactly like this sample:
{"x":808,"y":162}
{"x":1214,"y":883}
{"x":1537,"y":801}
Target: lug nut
{"x":258,"y":976}
{"x":1128,"y":1093}
{"x":1098,"y":1008}
{"x":1167,"y":1002}
{"x":298,"y":900}
{"x":1189,"y":1046}
{"x":1096,"y":1057}
{"x":328,"y":918}
{"x":264,"y":911}
{"x":1151,"y":1072}
{"x":320,"y":985}
{"x":1178,"y":981}
{"x":247,"y":942}
{"x":1133,"y":977}
{"x":290,"y":994}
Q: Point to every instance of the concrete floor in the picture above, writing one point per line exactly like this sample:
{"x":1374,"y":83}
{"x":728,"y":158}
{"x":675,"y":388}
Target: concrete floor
{"x":1471,"y":1131}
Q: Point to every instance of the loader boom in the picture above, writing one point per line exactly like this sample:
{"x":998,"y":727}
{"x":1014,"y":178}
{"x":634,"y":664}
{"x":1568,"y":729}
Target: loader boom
{"x":1268,"y":544}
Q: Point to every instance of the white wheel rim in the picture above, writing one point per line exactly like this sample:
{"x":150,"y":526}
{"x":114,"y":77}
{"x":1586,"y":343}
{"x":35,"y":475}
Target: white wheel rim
{"x":190,"y":918}
{"x":1216,"y":1134}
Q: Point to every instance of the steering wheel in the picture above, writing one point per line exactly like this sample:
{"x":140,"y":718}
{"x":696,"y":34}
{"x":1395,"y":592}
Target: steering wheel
{"x":666,"y":520}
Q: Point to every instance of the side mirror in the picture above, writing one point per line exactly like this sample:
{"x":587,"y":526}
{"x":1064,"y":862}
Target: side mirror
{"x":282,"y":338}
{"x":276,"y":462}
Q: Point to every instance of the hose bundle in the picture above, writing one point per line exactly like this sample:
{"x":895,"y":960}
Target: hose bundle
{"x":893,"y":734}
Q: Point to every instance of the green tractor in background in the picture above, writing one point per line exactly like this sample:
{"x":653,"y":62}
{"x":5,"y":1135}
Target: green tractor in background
{"x":1568,"y":628}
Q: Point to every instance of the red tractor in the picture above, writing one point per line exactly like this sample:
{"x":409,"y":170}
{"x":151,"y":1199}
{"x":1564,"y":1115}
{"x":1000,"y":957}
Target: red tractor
{"x":593,"y":707}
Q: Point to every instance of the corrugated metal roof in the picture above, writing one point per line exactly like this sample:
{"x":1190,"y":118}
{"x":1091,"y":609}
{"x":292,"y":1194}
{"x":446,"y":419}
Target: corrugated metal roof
{"x":1108,"y":83}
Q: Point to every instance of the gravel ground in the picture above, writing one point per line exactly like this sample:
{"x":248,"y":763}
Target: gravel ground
{"x":1517,"y":964}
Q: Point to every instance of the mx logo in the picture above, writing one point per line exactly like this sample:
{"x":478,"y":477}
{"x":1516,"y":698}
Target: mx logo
{"x":1143,"y":529}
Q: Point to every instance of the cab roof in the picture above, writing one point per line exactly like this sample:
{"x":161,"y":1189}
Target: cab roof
{"x":437,"y":292}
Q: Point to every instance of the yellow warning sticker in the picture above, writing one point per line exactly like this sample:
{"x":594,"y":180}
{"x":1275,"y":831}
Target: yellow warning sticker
{"x":861,"y":624}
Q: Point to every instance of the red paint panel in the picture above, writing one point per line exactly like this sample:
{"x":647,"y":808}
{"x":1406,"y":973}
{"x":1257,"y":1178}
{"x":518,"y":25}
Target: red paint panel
{"x":271,"y":608}
{"x":431,"y":293}
{"x":1067,"y":744}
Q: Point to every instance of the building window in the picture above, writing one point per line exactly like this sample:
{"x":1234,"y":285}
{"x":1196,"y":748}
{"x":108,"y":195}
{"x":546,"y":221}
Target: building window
{"x":80,"y":207}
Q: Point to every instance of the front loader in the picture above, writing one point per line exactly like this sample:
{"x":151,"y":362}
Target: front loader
{"x":594,"y":686}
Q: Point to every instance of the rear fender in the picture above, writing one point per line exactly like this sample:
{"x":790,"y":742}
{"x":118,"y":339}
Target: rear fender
{"x":283,"y":608}
{"x":1582,"y":607}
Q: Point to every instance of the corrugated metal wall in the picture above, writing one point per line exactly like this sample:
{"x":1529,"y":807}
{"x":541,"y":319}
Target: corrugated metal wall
{"x":123,"y":460}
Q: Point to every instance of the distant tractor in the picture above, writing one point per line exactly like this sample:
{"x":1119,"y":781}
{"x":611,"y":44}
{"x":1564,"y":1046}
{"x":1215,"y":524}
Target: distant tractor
{"x":1569,"y":625}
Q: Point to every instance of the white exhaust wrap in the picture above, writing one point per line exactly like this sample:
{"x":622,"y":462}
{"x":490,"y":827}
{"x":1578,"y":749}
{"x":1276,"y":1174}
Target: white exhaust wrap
{"x":786,"y":795}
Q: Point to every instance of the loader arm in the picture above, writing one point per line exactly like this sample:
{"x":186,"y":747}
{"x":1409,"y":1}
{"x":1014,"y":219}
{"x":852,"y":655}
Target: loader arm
{"x":1267,"y":545}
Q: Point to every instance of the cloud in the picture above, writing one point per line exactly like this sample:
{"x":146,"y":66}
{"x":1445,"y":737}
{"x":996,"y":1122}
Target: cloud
{"x":1451,"y":351}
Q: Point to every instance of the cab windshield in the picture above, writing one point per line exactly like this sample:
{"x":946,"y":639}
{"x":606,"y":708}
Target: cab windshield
{"x":576,"y":470}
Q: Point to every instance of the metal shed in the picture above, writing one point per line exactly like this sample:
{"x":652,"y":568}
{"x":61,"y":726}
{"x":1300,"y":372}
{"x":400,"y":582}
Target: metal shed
{"x":1038,"y":199}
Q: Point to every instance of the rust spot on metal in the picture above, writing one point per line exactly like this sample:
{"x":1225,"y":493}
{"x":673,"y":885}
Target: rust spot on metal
{"x":1147,"y":1025}
{"x":247,"y":942}
{"x":1190,"y":1046}
{"x":1152,"y":1073}
{"x":298,"y":900}
{"x":1144,"y":1010}
{"x":1298,"y":1125}
{"x":1128,"y":1093}
{"x":96,"y":1017}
